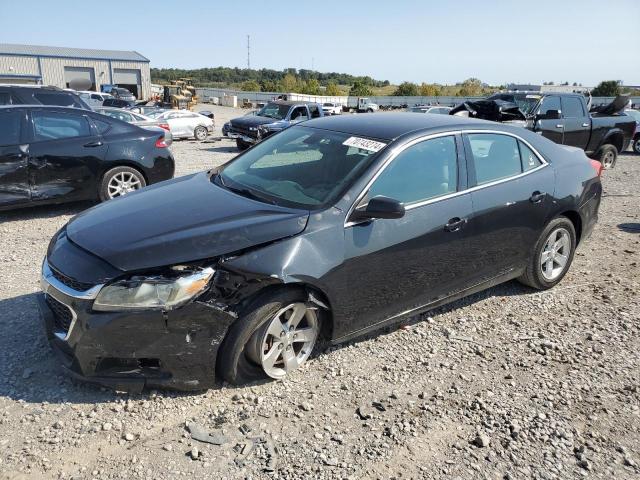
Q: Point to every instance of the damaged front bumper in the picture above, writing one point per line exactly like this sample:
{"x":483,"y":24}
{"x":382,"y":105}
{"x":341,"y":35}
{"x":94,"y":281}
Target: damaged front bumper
{"x":132,"y":350}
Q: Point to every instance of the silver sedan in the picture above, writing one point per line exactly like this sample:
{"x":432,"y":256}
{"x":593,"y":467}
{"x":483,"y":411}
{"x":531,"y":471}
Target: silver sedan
{"x":186,"y":124}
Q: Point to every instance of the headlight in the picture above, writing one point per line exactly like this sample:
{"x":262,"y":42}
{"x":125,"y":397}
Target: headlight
{"x":162,"y":292}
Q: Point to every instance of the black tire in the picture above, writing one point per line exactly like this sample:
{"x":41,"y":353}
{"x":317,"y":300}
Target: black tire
{"x":108,"y":177}
{"x":200,"y":133}
{"x":236,"y":362}
{"x":607,"y":155}
{"x":636,"y":145}
{"x":370,"y":110}
{"x":241,"y":144}
{"x":533,"y":275}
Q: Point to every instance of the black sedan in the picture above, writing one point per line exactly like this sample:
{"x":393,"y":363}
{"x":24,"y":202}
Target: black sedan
{"x":61,"y":154}
{"x":329,"y":229}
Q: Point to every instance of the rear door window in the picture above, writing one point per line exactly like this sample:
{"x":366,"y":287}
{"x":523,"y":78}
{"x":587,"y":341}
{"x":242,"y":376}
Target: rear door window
{"x":10,"y":127}
{"x":494,"y":156}
{"x":572,"y":108}
{"x":529,"y":159}
{"x":57,"y":125}
{"x":5,"y":98}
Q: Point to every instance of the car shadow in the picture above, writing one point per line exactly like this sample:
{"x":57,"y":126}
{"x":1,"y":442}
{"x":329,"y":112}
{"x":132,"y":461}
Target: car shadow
{"x":45,"y":211}
{"x":227,"y":149}
{"x":32,"y":373}
{"x":629,"y":227}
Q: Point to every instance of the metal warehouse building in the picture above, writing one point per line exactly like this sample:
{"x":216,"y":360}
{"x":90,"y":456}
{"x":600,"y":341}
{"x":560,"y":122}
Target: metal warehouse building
{"x":58,"y":66}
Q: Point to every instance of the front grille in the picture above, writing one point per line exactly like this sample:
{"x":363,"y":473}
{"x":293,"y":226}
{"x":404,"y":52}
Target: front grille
{"x":243,"y":131}
{"x":70,"y":282}
{"x":62,"y":315}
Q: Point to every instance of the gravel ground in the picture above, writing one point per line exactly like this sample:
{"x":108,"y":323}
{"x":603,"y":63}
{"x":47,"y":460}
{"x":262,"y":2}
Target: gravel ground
{"x":508,"y":383}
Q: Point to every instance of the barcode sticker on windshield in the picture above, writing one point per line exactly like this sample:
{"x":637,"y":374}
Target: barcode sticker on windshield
{"x":364,"y":143}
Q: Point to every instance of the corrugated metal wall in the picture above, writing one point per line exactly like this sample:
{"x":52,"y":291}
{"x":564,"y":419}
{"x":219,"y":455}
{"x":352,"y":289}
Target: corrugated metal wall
{"x":53,"y":69}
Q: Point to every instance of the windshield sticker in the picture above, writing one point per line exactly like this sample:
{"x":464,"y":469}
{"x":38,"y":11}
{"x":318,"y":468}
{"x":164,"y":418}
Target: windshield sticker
{"x":364,"y":144}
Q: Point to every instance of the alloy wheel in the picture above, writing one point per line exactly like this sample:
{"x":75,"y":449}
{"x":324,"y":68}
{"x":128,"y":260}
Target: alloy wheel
{"x":288,"y":340}
{"x":607,"y":159}
{"x":636,"y":146}
{"x":200,"y":133}
{"x":122,"y":183}
{"x":555,"y":254}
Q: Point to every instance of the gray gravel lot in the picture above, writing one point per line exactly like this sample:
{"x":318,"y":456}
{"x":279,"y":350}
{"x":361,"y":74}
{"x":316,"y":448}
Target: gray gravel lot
{"x":508,"y":383}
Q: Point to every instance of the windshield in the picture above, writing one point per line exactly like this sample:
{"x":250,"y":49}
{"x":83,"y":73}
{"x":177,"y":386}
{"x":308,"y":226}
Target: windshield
{"x":300,"y":167}
{"x":327,"y":104}
{"x":274,"y":110}
{"x":525,"y":102}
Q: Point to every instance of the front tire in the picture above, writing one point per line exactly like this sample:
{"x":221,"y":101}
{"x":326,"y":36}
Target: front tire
{"x":275,"y":336}
{"x":119,"y":181}
{"x":200,"y":133}
{"x":241,"y":144}
{"x":636,"y":145}
{"x":607,"y":156}
{"x":552,"y":256}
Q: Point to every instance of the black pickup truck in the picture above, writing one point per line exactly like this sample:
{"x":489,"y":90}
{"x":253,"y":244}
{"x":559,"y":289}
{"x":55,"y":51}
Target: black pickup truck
{"x":564,"y":118}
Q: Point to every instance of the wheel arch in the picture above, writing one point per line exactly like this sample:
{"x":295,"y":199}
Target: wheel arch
{"x":576,"y":220}
{"x":123,"y":163}
{"x":615,"y":138}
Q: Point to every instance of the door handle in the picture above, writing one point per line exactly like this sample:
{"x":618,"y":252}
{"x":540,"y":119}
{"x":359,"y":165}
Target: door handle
{"x":455,"y":224}
{"x":559,"y":125}
{"x":537,"y":197}
{"x":96,"y":143}
{"x":585,"y":124}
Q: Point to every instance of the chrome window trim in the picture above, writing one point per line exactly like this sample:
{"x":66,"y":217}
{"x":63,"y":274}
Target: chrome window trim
{"x":396,"y":151}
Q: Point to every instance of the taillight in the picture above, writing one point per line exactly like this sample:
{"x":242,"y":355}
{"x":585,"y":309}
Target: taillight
{"x":597,"y":166}
{"x":165,"y":126}
{"x":160,"y":143}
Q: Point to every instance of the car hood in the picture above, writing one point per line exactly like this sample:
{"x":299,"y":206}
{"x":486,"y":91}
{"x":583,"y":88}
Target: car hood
{"x":181,"y":220}
{"x":252,"y":121}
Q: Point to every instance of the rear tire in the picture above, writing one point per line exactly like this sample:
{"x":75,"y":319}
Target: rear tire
{"x":636,"y":145}
{"x":544,"y":270}
{"x":240,"y":358}
{"x":200,"y":133}
{"x":242,"y":145}
{"x":119,"y":181}
{"x":607,"y":156}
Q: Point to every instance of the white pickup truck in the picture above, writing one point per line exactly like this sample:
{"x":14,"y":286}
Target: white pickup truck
{"x":330,"y":108}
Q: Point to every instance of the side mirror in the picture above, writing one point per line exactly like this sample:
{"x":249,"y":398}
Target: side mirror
{"x":550,"y":115}
{"x":379,"y":207}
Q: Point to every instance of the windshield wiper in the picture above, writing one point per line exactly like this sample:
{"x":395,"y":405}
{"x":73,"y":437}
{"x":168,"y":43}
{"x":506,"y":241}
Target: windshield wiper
{"x":249,"y":193}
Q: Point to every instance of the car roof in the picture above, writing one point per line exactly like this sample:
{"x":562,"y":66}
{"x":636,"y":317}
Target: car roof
{"x":389,"y":126}
{"x":46,"y":107}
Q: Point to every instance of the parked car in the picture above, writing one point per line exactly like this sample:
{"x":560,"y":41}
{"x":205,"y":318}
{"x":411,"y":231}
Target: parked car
{"x":39,"y":95}
{"x":273,"y":117}
{"x":118,"y":103}
{"x":136,"y":119}
{"x":335,"y":227}
{"x":439,"y":109}
{"x":330,"y":108}
{"x":562,"y":117}
{"x":635,"y":143}
{"x":185,"y":124}
{"x":122,"y":94}
{"x":147,"y":109}
{"x":94,"y":99}
{"x":61,"y":154}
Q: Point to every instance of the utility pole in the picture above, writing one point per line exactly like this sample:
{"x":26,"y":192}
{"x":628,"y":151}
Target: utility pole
{"x":248,"y":52}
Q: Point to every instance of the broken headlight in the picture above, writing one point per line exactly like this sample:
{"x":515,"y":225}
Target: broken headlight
{"x":162,"y":292}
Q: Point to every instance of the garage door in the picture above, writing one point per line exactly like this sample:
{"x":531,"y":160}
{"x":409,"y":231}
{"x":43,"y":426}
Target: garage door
{"x":80,"y":76}
{"x":125,"y":76}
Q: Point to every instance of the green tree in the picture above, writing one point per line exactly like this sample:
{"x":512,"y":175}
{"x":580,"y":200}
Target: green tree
{"x":250,"y":86}
{"x":471,"y":87}
{"x":332,"y":90}
{"x":406,"y":89}
{"x":311,"y":87}
{"x":360,"y":89}
{"x":430,"y":90}
{"x":270,"y":86}
{"x":607,"y":88}
{"x":289,"y":83}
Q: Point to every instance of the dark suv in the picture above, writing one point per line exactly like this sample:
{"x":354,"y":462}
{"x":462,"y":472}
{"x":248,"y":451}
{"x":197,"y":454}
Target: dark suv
{"x":40,"y":95}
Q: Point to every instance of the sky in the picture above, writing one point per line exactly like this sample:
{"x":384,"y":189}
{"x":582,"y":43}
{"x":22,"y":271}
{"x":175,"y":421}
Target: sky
{"x":497,"y":41}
